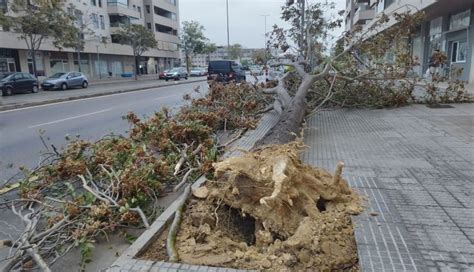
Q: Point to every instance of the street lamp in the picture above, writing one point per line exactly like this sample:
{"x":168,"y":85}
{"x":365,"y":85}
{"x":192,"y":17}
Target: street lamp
{"x":265,"y":48}
{"x":228,"y":43}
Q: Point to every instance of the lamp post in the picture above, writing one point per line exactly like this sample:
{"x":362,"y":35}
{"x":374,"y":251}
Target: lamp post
{"x":265,"y":48}
{"x":228,"y":43}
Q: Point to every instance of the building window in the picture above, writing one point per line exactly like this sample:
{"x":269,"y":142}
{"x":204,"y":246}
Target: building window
{"x":165,"y":13}
{"x":139,"y":9}
{"x":100,"y":3}
{"x":95,"y":20}
{"x":148,"y":25}
{"x":102,"y":22}
{"x":165,"y":29}
{"x":124,"y":3}
{"x":460,"y":20}
{"x":94,"y":2}
{"x":147,"y":7}
{"x":459,"y":51}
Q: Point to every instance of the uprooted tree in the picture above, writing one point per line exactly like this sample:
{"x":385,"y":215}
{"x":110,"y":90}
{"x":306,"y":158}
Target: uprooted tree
{"x":358,"y":73}
{"x":268,"y":210}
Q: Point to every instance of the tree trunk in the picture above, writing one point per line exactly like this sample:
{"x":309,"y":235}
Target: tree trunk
{"x":33,"y":59}
{"x":137,"y":68}
{"x":288,"y":126}
{"x":79,"y":60}
{"x":187,"y":63}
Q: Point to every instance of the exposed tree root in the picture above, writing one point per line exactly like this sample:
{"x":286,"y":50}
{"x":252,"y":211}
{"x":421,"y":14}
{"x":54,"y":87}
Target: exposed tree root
{"x":268,"y":210}
{"x":170,"y":241}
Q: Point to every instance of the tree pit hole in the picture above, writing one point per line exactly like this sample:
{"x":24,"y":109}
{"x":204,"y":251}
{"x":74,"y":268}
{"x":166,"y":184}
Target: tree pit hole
{"x":321,"y":204}
{"x":237,"y":225}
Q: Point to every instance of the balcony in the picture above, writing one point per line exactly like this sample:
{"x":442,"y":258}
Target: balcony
{"x":121,"y":9}
{"x":363,"y":14}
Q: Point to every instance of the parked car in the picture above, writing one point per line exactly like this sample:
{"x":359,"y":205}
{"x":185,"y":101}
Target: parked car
{"x":63,"y":81}
{"x":163,"y":74}
{"x":177,"y":73}
{"x":225,"y":71}
{"x":11,"y":83}
{"x":197,"y":72}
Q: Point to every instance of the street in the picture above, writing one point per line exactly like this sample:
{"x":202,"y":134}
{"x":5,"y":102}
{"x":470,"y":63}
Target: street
{"x":91,"y":118}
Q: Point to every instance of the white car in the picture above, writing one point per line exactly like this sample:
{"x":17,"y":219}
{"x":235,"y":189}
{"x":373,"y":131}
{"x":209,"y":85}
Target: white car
{"x":197,"y":72}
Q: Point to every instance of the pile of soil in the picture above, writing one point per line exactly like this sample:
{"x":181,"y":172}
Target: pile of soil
{"x":268,"y":210}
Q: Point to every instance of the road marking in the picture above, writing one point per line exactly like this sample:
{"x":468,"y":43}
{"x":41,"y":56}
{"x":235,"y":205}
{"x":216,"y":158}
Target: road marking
{"x":70,"y":118}
{"x":146,"y":89}
{"x":164,"y":97}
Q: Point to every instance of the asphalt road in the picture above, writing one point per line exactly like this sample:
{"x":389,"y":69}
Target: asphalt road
{"x":90,"y":118}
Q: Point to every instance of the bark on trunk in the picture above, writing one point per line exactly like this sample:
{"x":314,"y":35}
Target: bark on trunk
{"x":288,"y":126}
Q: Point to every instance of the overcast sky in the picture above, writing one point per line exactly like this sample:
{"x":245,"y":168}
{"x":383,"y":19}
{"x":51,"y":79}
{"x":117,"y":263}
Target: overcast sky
{"x":246,"y":24}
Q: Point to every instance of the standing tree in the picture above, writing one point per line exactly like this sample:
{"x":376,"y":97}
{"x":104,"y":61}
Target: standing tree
{"x":139,"y":38}
{"x":76,"y":32}
{"x":35,"y":23}
{"x":260,"y":56}
{"x":208,"y":49}
{"x":193,"y":40}
{"x":235,"y":51}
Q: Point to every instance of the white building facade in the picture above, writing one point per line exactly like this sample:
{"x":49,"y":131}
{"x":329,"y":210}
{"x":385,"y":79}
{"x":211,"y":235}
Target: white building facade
{"x":99,"y":59}
{"x":448,"y":26}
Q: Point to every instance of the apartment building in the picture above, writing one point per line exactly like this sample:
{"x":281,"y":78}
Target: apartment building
{"x":99,"y":59}
{"x":448,"y":26}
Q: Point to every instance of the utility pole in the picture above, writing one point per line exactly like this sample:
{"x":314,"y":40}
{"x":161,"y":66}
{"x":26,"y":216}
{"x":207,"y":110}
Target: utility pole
{"x":228,"y":43}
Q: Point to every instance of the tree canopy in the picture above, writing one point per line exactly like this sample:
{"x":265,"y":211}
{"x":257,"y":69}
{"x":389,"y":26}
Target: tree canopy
{"x":235,"y":51}
{"x":139,"y":38}
{"x":35,"y":23}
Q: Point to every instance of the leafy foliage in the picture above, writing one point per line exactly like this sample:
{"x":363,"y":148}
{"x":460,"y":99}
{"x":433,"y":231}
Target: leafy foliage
{"x":36,"y":22}
{"x":97,"y":187}
{"x":235,"y":51}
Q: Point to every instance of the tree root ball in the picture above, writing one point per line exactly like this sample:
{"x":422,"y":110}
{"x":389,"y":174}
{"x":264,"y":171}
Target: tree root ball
{"x":271,"y":212}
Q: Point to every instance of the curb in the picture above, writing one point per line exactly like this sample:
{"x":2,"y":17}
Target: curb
{"x":52,"y":101}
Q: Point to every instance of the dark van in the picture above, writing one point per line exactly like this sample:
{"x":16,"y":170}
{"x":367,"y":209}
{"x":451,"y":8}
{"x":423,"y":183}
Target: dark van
{"x":225,"y":71}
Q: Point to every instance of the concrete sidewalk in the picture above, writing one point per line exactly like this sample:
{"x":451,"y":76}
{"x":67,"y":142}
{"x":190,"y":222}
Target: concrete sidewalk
{"x":416,"y":167}
{"x":94,"y":89}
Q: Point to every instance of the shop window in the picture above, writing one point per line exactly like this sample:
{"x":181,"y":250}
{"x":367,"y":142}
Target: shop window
{"x":459,"y":51}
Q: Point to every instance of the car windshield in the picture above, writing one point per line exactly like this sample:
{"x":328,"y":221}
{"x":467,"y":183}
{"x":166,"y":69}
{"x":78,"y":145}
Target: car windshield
{"x":57,"y":75}
{"x":174,"y":70}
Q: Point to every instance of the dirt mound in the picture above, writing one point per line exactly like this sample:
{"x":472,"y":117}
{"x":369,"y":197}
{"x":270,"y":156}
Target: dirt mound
{"x":268,"y":210}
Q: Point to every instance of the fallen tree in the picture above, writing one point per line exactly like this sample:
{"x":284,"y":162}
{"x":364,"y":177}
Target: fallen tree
{"x":92,"y":189}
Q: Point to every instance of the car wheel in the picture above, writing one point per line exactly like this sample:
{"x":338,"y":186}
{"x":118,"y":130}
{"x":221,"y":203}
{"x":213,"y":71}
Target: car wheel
{"x":166,"y":79}
{"x":8,"y":91}
{"x":85,"y":84}
{"x":64,"y":86}
{"x":35,"y":89}
{"x":186,"y":77}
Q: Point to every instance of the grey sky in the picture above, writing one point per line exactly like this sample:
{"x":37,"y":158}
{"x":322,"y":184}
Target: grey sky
{"x":245,"y":21}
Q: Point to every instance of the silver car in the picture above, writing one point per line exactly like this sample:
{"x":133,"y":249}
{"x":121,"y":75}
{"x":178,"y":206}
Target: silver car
{"x":63,"y":81}
{"x":176,"y":74}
